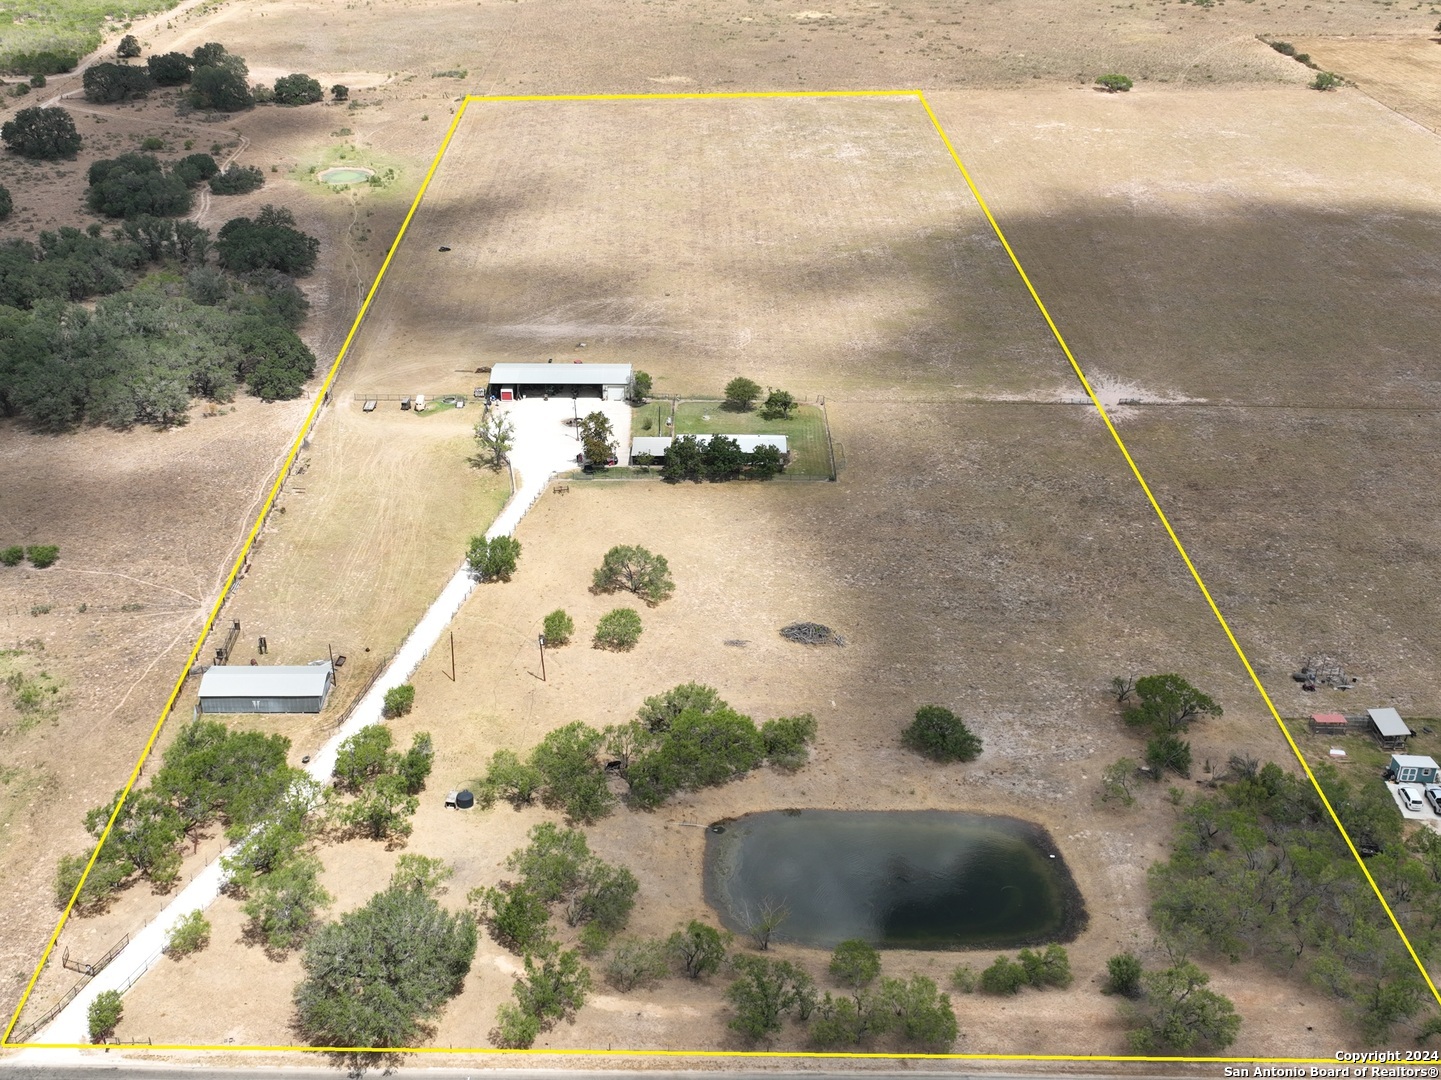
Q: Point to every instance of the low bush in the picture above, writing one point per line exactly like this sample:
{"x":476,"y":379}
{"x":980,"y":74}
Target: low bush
{"x":399,"y":700}
{"x":1005,"y":976}
{"x":12,"y":556}
{"x":42,"y":555}
{"x":1123,"y":975}
{"x":637,"y":962}
{"x":939,"y":734}
{"x":189,"y":935}
{"x":1114,"y":84}
{"x":558,"y":627}
{"x":618,"y":630}
{"x":787,"y":740}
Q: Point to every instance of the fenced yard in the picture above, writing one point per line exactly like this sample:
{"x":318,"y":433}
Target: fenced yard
{"x":806,"y":430}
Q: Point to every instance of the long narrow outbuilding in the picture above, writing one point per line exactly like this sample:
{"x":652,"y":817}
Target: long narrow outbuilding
{"x":279,"y":688}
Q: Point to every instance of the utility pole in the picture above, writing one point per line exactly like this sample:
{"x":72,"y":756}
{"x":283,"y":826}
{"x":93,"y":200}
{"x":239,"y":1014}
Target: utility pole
{"x":541,"y":639}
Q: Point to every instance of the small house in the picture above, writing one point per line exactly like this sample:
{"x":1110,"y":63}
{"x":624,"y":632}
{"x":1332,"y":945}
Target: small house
{"x":1413,"y":769}
{"x":1388,"y":727}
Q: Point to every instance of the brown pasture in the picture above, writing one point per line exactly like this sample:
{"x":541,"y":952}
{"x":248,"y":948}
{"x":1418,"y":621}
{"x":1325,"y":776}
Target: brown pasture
{"x":1261,"y":249}
{"x":994,"y":554}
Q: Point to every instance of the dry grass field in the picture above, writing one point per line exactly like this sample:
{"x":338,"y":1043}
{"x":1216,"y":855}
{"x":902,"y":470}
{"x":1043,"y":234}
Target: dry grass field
{"x":1249,"y":257}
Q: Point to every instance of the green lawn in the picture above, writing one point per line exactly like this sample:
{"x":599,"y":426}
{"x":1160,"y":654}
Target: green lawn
{"x":72,"y":26}
{"x":806,"y":430}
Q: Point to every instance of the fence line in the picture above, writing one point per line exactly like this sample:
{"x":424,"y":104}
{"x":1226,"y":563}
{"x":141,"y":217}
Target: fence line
{"x":52,"y":1012}
{"x":93,"y":969}
{"x":362,"y":397}
{"x":370,"y":682}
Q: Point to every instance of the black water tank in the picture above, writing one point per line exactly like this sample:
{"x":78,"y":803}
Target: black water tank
{"x":464,"y":800}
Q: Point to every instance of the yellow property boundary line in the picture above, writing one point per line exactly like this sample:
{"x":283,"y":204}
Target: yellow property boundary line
{"x":304,"y":431}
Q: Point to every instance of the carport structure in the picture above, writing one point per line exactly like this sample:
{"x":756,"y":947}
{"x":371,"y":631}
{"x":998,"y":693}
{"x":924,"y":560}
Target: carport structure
{"x":609,"y":382}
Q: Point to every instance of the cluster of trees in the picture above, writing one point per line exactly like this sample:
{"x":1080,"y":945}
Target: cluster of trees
{"x":556,"y":869}
{"x":1257,"y":869}
{"x":106,"y":83}
{"x":1167,"y":705}
{"x":141,"y":355}
{"x":269,"y":242}
{"x":375,"y":977}
{"x":741,"y":394}
{"x":274,"y":871}
{"x":689,"y":738}
{"x":1050,"y":967}
{"x":908,"y":1013}
{"x":217,"y":80}
{"x":1176,"y":1013}
{"x":137,"y":185}
{"x":209,"y":775}
{"x":684,"y":739}
{"x":237,"y":180}
{"x":718,"y":460}
{"x":385,"y":783}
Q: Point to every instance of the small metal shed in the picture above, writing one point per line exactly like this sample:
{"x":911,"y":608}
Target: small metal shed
{"x":1412,"y":769}
{"x":278,"y":688}
{"x":1390,"y":730}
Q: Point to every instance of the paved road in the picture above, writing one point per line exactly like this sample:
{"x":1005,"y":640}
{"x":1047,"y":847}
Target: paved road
{"x":131,"y":1071}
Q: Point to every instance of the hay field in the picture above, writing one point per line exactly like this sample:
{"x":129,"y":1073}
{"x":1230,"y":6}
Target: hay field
{"x":1269,"y":259}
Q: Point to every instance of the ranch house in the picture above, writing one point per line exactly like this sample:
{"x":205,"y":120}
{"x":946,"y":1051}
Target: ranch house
{"x":609,"y":382}
{"x":300,"y":688}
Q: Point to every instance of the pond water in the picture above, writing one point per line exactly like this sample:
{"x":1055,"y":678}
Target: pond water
{"x":900,"y":879}
{"x":345,"y":175}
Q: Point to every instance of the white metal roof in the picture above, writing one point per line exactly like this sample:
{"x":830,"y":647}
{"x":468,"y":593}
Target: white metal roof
{"x":1414,"y":761}
{"x":560,"y":375}
{"x":1388,"y":722}
{"x":276,"y":681}
{"x":659,"y":444}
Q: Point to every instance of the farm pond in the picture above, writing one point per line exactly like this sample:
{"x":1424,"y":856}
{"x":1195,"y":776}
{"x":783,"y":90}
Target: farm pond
{"x":925,"y":879}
